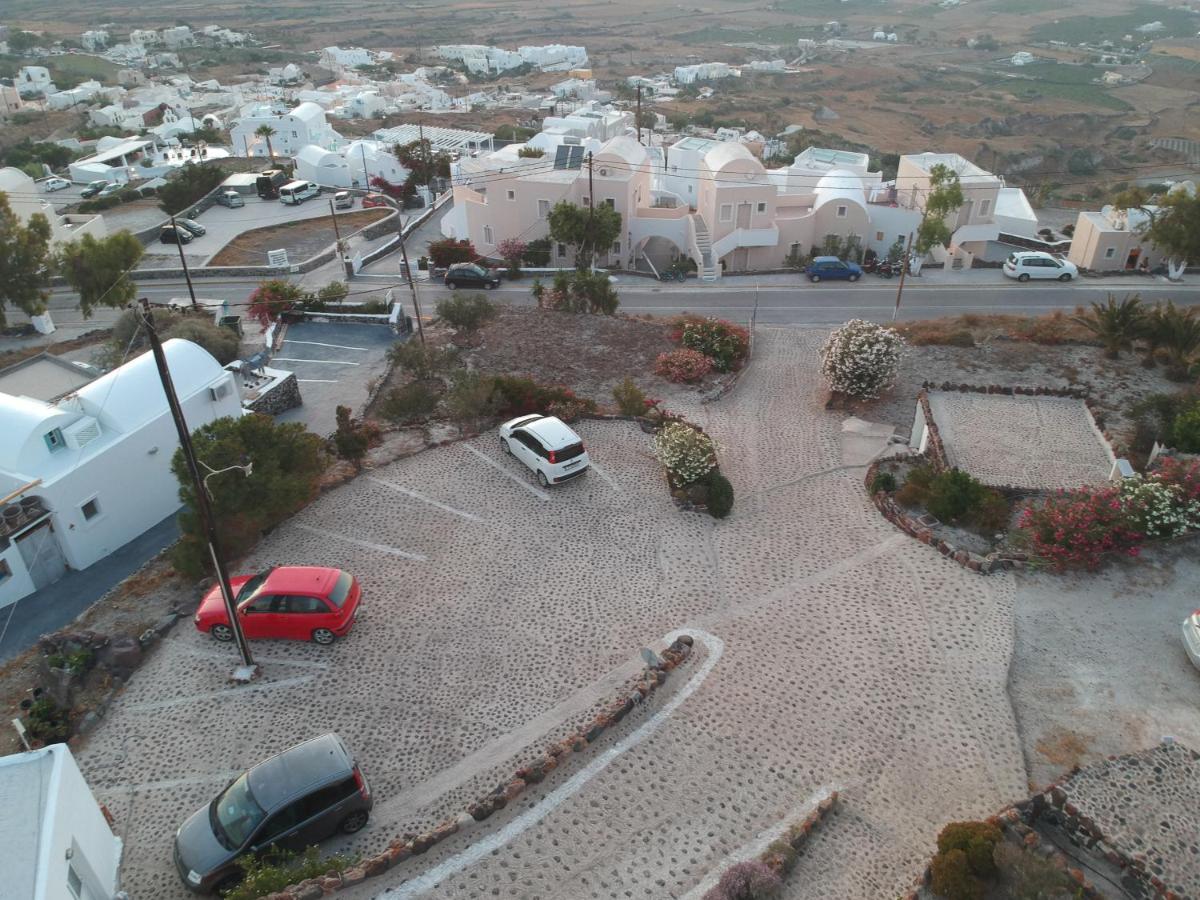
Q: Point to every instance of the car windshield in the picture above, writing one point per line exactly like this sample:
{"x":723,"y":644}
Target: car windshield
{"x":341,"y":589}
{"x":235,"y":814}
{"x":186,"y":223}
{"x":252,"y":585}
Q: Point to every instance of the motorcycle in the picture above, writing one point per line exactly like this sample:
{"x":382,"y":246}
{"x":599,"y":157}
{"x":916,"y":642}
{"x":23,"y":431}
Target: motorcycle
{"x":884,"y":269}
{"x":673,"y":275}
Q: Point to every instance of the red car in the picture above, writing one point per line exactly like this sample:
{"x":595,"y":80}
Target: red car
{"x":371,"y":200}
{"x":304,"y":603}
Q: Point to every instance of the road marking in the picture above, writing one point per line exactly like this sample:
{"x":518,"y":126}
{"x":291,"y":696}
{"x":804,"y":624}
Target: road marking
{"x":382,"y":548}
{"x":430,"y":879}
{"x":507,"y":474}
{"x":334,"y":346}
{"x":599,"y":471}
{"x":317,"y":380}
{"x":153,"y":705}
{"x":417,"y":495}
{"x":328,"y":362}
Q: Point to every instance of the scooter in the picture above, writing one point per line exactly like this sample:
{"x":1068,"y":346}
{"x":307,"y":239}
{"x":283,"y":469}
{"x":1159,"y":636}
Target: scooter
{"x":672,"y":275}
{"x":884,"y":269}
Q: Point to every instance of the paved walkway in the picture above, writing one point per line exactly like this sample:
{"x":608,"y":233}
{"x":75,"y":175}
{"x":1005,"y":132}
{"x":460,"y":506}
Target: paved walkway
{"x":58,"y":604}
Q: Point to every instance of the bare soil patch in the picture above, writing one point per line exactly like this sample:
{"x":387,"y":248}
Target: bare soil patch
{"x":301,"y":239}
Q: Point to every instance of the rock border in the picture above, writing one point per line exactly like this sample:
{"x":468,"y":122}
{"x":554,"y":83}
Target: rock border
{"x":636,"y":692}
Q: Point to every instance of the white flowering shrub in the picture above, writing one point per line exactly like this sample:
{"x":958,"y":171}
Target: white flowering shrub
{"x":1158,"y":509}
{"x":687,"y":453}
{"x":861,"y":359}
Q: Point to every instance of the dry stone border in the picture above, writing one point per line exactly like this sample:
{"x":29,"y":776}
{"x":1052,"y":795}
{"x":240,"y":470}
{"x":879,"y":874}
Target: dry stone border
{"x":555,"y":755}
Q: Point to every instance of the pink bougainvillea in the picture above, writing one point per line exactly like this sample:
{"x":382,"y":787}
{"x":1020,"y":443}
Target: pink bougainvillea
{"x":683,"y":365}
{"x":1078,"y":529}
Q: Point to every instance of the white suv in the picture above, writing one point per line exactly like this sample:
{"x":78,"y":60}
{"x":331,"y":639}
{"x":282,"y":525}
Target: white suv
{"x":545,"y":444}
{"x":1035,"y":264}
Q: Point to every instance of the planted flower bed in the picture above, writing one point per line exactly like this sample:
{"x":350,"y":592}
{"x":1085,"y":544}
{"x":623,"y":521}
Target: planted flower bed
{"x":690,"y":458}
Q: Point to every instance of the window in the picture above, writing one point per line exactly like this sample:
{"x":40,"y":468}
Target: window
{"x":327,"y":797}
{"x":762,"y":207}
{"x":610,"y":202}
{"x":512,"y":195}
{"x":616,"y":247}
{"x":341,"y":589}
{"x":879,"y":235}
{"x":90,"y":510}
{"x":294,"y":134}
{"x":281,"y":823}
{"x":54,"y":440}
{"x":841,"y":213}
{"x":543,"y":208}
{"x":488,"y":236}
{"x":74,"y":882}
{"x":689,"y":188}
{"x":984,"y":207}
{"x":5,"y":570}
{"x":587,"y":201}
{"x":726,"y":212}
{"x":265,"y":603}
{"x":298,"y":604}
{"x":562,"y":251}
{"x":1110,"y":252}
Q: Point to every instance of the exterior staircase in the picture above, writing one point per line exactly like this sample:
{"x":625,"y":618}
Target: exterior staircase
{"x":707,"y":270}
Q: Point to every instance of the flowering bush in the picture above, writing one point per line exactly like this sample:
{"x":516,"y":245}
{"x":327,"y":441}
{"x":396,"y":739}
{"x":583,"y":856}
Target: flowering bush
{"x":1078,"y":529}
{"x":723,"y":342}
{"x":687,"y":452}
{"x":749,"y":880}
{"x":861,"y":359}
{"x":682,"y":365}
{"x":1183,"y":475}
{"x":271,"y":299}
{"x":1158,"y":509}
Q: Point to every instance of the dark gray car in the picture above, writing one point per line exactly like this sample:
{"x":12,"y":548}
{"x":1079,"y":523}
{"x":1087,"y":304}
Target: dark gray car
{"x":290,"y":801}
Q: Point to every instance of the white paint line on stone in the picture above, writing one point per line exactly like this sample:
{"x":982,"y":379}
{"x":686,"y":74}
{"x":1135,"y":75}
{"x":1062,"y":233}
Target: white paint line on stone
{"x":219,"y":695}
{"x":427,"y":881}
{"x":761,"y":842}
{"x":608,"y":478}
{"x":317,"y":380}
{"x":334,"y":346}
{"x":327,"y":362}
{"x":211,"y":778}
{"x":507,"y":474}
{"x":417,"y":495}
{"x":382,"y":548}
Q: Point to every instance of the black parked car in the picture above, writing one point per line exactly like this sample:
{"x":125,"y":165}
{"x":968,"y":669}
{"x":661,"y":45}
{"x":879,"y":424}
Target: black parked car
{"x":192,"y":225}
{"x":471,"y":275}
{"x":290,"y":801}
{"x":178,"y":235}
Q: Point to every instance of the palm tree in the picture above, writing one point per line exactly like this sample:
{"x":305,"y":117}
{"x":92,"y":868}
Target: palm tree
{"x":267,"y":132}
{"x":1115,"y":324}
{"x":1180,"y":337}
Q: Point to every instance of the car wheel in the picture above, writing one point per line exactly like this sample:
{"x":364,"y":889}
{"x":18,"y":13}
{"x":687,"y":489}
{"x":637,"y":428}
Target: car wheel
{"x":853,"y":278}
{"x":453,"y":285}
{"x":222,"y":632}
{"x":491,"y":285}
{"x":1024,"y":276}
{"x":1065,"y":276}
{"x":323,"y":636}
{"x":542,"y":479}
{"x":353,"y":822}
{"x":226,"y":885}
{"x":814,"y":278}
{"x":506,"y":446}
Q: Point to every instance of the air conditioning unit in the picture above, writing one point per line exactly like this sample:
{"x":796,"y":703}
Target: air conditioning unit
{"x":219,"y":391}
{"x":79,"y":434}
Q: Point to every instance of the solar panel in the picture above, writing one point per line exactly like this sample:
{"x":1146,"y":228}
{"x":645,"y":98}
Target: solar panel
{"x":567,"y":157}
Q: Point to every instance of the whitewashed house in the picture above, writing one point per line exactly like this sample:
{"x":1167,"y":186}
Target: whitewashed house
{"x":89,"y":471}
{"x":178,"y":36}
{"x":350,"y":166}
{"x":34,"y":81}
{"x":144,"y":37}
{"x":96,"y":39}
{"x":57,"y":841}
{"x":295,"y":128}
{"x":82,"y":93}
{"x":24,"y":199}
{"x":704,"y":72}
{"x":341,"y":60}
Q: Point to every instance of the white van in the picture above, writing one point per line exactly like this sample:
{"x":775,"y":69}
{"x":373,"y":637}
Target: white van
{"x":296,"y":192}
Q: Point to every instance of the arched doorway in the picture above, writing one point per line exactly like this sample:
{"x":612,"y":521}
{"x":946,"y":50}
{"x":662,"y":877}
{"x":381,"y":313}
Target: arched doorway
{"x":661,"y":252}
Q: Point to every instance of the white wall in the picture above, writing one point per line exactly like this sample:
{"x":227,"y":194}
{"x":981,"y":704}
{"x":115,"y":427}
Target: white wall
{"x":75,"y":823}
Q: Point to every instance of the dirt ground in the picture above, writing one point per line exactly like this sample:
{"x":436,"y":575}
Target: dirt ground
{"x":301,"y":239}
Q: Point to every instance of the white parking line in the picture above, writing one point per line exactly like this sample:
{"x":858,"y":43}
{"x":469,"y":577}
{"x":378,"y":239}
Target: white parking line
{"x":328,"y":362}
{"x":599,"y":471}
{"x":382,"y":548}
{"x":430,"y":879}
{"x":317,"y":380}
{"x":507,"y":474}
{"x":417,"y":495}
{"x":334,"y":346}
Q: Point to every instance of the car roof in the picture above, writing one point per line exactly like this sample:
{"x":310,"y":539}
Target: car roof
{"x":1031,"y":254}
{"x":463,"y":265}
{"x":299,"y":769}
{"x":300,"y":579}
{"x":552,"y":431}
{"x":824,"y":259}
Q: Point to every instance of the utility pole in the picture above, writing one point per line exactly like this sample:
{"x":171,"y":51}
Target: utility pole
{"x":903,"y":273}
{"x":639,"y":113}
{"x":202,"y":505}
{"x":411,"y":286}
{"x":366,"y":175}
{"x":183,"y":261}
{"x":591,"y":204}
{"x":337,"y":231}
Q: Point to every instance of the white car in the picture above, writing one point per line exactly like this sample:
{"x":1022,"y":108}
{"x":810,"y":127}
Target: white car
{"x":1191,"y":637}
{"x":55,"y":184}
{"x":546,"y":445}
{"x":1035,"y":264}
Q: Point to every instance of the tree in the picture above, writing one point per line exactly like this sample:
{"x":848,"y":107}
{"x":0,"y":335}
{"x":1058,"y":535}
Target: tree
{"x":512,"y":250}
{"x":334,"y":292}
{"x":266,"y":132}
{"x":99,"y":269}
{"x":288,"y":462}
{"x":1177,"y":331}
{"x":350,"y":440}
{"x":647,"y":120}
{"x":588,"y":231}
{"x":537,"y":253}
{"x":1171,"y":223}
{"x":448,"y":251}
{"x":273,"y":298}
{"x":20,"y":41}
{"x":187,"y":186}
{"x":944,"y":197}
{"x":1115,"y":324}
{"x":24,"y":250}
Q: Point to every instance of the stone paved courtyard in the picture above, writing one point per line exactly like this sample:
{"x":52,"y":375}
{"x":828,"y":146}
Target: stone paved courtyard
{"x":849,"y":656}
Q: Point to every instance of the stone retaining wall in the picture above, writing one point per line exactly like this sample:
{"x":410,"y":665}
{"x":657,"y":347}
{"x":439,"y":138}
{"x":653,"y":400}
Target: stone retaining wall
{"x":280,"y":398}
{"x":555,"y":755}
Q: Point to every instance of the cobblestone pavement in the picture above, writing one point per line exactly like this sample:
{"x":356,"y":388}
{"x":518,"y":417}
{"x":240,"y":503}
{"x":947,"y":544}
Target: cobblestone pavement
{"x":494,"y":612}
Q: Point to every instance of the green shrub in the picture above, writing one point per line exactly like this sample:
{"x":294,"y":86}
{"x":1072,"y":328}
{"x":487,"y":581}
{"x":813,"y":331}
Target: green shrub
{"x":952,"y":879}
{"x":952,"y":495}
{"x":1185,"y":431}
{"x":723,"y":342}
{"x":350,"y":440}
{"x":334,"y":292}
{"x":631,"y":400}
{"x":720,"y":495}
{"x":47,"y":721}
{"x":471,"y":398}
{"x":465,"y":312}
{"x":1030,"y":877}
{"x":415,"y":400}
{"x":516,"y":395}
{"x":976,"y":840}
{"x":222,"y":343}
{"x":422,"y":361}
{"x":272,"y":873}
{"x":883,"y":481}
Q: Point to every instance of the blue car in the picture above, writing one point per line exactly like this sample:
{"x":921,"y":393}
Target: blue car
{"x":830,"y":268}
